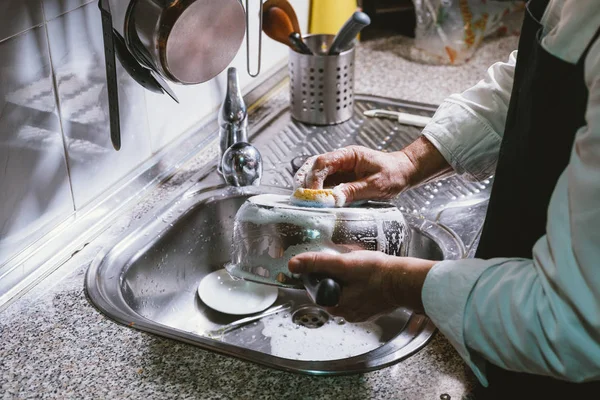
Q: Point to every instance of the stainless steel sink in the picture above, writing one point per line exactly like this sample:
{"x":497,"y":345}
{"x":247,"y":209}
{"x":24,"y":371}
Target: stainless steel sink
{"x":149,"y":281}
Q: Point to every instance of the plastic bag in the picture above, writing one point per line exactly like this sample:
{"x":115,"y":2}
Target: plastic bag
{"x":449,"y":31}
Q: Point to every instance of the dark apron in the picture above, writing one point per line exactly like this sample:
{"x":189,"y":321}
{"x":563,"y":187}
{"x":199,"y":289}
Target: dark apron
{"x":547,"y":107}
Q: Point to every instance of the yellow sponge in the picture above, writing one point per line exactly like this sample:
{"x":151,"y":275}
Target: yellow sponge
{"x":317,"y":198}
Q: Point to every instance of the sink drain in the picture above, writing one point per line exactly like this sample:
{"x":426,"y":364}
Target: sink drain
{"x":310,"y":317}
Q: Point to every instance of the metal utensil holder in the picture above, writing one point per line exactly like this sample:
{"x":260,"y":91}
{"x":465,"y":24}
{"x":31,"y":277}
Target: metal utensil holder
{"x":321,"y":86}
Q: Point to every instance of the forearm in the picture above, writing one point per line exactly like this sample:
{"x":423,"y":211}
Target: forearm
{"x":427,"y":162}
{"x":404,"y":281}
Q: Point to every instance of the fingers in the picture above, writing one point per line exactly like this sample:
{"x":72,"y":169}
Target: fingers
{"x":300,"y":176}
{"x":340,"y":163}
{"x":347,"y":193}
{"x":360,"y":273}
{"x":313,"y":262}
{"x":342,"y":160}
{"x":333,"y":264}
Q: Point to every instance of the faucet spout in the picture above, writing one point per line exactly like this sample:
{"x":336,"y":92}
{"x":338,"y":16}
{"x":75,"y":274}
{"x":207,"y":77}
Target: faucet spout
{"x":233,"y":116}
{"x":239,"y":162}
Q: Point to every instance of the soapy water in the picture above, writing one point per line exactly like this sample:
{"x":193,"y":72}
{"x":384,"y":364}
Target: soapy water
{"x":332,"y":341}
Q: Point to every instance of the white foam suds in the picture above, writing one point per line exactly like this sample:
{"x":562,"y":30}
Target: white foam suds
{"x":332,"y":341}
{"x":300,"y":175}
{"x":339,"y":195}
{"x":278,"y":211}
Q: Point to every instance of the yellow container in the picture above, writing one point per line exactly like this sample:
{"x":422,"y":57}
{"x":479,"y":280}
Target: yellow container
{"x":328,"y":16}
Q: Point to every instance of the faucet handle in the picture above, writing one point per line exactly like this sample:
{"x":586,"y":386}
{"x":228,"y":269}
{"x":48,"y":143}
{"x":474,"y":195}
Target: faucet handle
{"x":242,"y":165}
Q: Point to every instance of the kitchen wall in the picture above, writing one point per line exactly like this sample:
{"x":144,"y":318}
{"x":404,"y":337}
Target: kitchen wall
{"x":56,"y":157}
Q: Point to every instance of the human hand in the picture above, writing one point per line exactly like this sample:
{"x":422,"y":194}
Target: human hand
{"x":372,"y":282}
{"x":364,"y":174}
{"x":358,"y":172}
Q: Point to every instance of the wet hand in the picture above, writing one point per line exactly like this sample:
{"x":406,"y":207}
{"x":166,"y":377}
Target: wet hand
{"x":365,"y":174}
{"x":373,"y":283}
{"x":358,"y":172}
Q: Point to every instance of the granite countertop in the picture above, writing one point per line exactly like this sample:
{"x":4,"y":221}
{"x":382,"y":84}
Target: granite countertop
{"x":53,"y":343}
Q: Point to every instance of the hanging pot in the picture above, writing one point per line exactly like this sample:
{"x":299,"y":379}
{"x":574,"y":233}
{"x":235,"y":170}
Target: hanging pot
{"x":186,"y":41}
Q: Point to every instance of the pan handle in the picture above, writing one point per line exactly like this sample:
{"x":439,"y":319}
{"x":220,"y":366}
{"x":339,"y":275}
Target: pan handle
{"x":323,"y":291}
{"x":111,"y":74}
{"x":260,"y":19}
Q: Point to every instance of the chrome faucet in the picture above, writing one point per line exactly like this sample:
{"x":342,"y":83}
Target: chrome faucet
{"x":240,"y":163}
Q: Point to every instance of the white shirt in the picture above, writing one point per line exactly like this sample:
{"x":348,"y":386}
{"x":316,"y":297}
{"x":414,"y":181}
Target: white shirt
{"x":540,"y":316}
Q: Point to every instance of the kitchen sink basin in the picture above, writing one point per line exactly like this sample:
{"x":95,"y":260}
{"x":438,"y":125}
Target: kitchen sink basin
{"x":149,"y":281}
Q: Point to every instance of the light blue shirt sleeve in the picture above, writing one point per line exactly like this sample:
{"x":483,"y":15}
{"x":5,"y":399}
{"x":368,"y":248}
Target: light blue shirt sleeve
{"x":539,"y":315}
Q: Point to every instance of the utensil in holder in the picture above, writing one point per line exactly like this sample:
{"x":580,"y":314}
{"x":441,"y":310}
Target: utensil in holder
{"x":321,"y":86}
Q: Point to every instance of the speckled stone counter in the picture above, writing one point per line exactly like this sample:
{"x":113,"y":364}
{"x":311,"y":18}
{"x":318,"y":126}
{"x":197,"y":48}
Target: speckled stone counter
{"x":54,"y":344}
